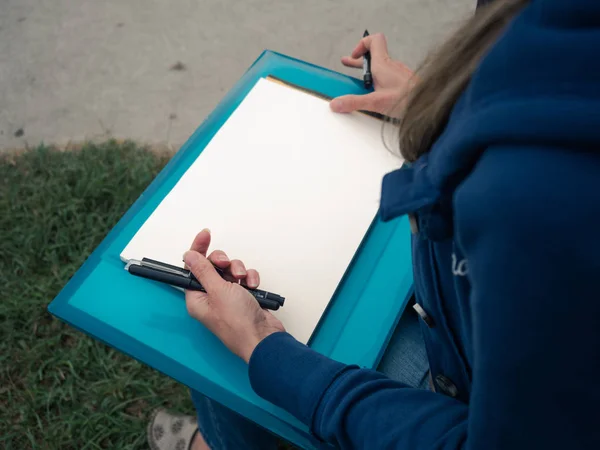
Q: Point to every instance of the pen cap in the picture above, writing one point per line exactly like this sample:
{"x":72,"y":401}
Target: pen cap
{"x":269,"y":304}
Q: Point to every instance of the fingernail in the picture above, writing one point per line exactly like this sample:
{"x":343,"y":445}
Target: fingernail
{"x":222,"y":258}
{"x":240,"y":272}
{"x":190,"y":257}
{"x":335,"y":105}
{"x":206,"y":229}
{"x":253,"y":282}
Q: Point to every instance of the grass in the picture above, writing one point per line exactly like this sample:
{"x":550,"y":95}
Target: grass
{"x":60,"y":389}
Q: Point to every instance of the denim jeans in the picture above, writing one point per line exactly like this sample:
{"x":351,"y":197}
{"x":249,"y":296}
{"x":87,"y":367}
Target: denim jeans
{"x":405,"y":360}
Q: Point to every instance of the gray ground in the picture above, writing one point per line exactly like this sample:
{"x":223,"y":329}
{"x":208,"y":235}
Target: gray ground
{"x":88,"y":69}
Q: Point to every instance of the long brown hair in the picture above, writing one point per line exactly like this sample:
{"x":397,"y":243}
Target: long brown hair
{"x":445,"y":73}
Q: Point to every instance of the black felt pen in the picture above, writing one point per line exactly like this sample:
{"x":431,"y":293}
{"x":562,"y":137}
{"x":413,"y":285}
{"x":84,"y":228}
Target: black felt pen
{"x":367,"y":75}
{"x":183,"y":278}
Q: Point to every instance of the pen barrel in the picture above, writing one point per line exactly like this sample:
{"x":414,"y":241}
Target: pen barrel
{"x":165,"y":277}
{"x":264,"y":295}
{"x":367,"y":75}
{"x":266,"y":300}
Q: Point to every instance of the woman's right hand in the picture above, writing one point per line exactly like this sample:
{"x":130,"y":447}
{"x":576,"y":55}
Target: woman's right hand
{"x":391,"y":79}
{"x":226,"y":308}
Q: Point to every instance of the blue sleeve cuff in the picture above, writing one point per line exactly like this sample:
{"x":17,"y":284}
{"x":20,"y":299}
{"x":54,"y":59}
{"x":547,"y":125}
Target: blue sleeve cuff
{"x":291,"y":375}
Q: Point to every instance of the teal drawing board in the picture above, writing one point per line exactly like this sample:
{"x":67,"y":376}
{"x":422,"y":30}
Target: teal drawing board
{"x":149,"y":321}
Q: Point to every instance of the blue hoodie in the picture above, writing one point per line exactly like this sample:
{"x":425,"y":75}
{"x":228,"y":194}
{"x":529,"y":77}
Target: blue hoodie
{"x":506,"y":259}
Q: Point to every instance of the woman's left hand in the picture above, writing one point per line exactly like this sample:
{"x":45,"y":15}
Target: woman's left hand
{"x":227,"y":309}
{"x":391,"y":79}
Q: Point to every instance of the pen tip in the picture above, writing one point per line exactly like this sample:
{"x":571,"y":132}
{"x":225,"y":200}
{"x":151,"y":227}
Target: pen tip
{"x":366,"y":33}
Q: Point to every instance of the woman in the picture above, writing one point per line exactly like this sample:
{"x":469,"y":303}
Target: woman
{"x":503,"y":133}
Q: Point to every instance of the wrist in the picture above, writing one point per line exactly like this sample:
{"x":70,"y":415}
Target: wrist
{"x":253,"y":340}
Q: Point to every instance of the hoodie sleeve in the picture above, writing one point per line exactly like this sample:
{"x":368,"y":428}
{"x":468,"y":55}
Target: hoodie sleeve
{"x":528,"y":220}
{"x":352,"y":407}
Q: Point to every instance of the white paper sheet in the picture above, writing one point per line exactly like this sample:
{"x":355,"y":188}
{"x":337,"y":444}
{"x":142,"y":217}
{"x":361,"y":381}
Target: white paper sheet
{"x":287,"y":186}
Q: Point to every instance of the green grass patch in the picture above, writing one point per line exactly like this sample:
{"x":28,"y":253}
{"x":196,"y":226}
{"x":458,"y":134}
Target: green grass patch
{"x":60,"y":389}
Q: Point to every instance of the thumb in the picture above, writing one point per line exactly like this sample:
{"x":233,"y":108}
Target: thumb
{"x":375,"y":101}
{"x":203,"y":270}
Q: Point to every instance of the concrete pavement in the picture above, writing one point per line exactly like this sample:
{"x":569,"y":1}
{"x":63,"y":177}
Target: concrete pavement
{"x":151,"y":70}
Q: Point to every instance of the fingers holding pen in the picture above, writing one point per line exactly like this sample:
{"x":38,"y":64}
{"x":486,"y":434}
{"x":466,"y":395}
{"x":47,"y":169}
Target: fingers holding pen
{"x":375,"y":43}
{"x":355,"y":63}
{"x":234,"y":270}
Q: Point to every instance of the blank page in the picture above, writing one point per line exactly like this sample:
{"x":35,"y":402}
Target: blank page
{"x":285,"y":185}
